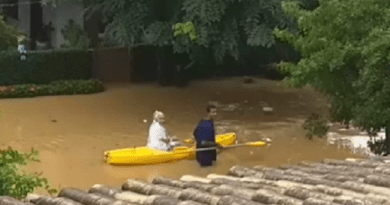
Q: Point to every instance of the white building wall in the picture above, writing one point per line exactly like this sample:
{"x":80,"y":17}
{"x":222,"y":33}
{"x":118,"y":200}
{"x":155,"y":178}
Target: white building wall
{"x":59,"y":17}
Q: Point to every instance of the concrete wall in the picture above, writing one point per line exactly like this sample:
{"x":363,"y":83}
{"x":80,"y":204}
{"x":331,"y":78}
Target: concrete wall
{"x":23,"y":23}
{"x":59,"y":17}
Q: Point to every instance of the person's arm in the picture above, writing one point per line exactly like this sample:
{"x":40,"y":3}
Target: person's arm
{"x":195,"y":133}
{"x":165,"y":139}
{"x":216,"y":144}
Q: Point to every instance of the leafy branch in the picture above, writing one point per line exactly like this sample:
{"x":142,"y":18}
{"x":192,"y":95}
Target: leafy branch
{"x":15,"y":182}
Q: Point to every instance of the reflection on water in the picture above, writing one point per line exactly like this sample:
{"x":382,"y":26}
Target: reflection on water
{"x":72,"y":132}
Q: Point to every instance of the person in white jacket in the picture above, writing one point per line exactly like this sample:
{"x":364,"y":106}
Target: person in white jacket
{"x":159,"y":135}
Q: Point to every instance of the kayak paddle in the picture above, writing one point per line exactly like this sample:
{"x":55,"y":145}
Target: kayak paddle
{"x":248,"y":144}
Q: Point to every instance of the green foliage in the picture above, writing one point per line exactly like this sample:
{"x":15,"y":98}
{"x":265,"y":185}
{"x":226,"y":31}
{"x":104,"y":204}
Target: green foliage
{"x":154,"y":32}
{"x":75,"y":36}
{"x":345,"y":54}
{"x":62,"y":87}
{"x":43,"y":68}
{"x":186,"y":29}
{"x":224,"y":28}
{"x":315,"y":125}
{"x":15,"y":182}
{"x":8,"y":36}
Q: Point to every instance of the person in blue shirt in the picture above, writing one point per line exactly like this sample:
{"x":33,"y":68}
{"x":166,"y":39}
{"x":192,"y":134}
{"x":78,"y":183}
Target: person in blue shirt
{"x":204,"y":135}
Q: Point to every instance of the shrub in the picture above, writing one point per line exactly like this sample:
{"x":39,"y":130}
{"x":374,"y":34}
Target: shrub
{"x":45,"y":67}
{"x":315,"y":125}
{"x":8,"y":35}
{"x":17,"y":183}
{"x":63,"y":87}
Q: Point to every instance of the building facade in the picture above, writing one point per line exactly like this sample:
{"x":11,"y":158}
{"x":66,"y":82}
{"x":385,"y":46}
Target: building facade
{"x":30,"y":16}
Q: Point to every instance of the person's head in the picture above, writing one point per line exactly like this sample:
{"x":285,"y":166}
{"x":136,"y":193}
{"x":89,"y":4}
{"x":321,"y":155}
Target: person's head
{"x":158,"y":117}
{"x":212,"y":111}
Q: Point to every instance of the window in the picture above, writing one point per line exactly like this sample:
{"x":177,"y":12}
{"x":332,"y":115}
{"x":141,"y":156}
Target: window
{"x":10,"y":11}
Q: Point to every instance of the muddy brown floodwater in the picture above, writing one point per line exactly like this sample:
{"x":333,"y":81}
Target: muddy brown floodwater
{"x":72,"y":132}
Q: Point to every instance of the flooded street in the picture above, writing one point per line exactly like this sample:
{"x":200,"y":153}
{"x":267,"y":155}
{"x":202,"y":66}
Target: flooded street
{"x":72,"y":132}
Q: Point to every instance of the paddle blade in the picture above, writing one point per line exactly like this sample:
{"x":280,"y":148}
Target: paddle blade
{"x":256,"y":144}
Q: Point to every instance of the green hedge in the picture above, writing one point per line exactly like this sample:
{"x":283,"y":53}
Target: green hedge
{"x":43,"y":68}
{"x":62,"y":87}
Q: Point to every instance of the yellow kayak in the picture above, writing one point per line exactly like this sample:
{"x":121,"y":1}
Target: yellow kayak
{"x":145,"y":155}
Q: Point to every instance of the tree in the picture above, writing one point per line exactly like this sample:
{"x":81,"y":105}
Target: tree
{"x":227,"y":28}
{"x":345,"y":49}
{"x":8,"y":36}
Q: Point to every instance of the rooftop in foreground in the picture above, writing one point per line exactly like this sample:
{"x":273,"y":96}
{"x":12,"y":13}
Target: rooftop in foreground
{"x":348,"y":182}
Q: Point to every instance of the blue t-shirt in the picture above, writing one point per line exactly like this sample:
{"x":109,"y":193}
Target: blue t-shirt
{"x":204,"y":132}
